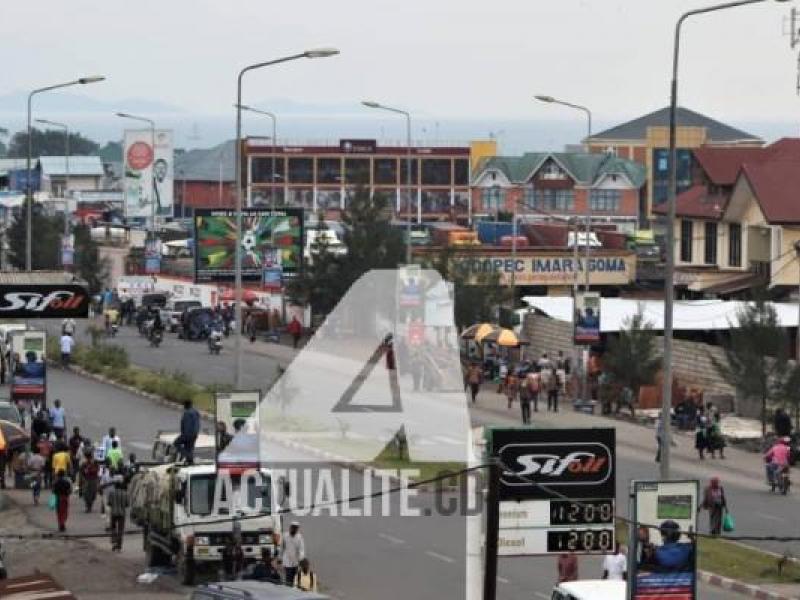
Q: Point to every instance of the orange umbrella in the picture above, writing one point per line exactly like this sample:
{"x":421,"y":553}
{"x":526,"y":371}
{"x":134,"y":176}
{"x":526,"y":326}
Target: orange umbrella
{"x":505,"y":337}
{"x":12,"y":436}
{"x":478,"y":332}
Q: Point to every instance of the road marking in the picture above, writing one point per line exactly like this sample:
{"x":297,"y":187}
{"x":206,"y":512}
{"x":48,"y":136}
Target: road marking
{"x":766,"y":516}
{"x":441,"y":557}
{"x":391,"y":538}
{"x":503,"y":580}
{"x":541,"y":595}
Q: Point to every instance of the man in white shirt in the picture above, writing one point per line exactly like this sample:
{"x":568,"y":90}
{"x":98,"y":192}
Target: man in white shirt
{"x":67,"y":343}
{"x":58,"y":420}
{"x":294,"y":550}
{"x":615,"y":566}
{"x":108,"y":440}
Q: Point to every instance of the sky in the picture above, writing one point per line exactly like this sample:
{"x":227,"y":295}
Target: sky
{"x":449,"y":62}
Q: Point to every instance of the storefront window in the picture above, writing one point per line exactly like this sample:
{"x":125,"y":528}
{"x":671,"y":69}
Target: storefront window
{"x":404,"y":171}
{"x":301,"y":170}
{"x":262,"y":170}
{"x":329,"y":170}
{"x":385,"y":171}
{"x":356,"y":171}
{"x":436,"y":171}
{"x":461,"y":171}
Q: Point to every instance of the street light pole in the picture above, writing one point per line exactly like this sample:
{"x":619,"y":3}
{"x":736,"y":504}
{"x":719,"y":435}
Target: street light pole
{"x":669,"y":276}
{"x":274,"y":150}
{"x":318,"y":53}
{"x":587,"y":227}
{"x":409,"y":184}
{"x":28,"y":188}
{"x":66,"y":183}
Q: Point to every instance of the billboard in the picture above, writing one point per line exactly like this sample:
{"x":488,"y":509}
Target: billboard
{"x":149,"y":174}
{"x":664,"y":558}
{"x":270,"y":238}
{"x":587,"y":318}
{"x":237,"y":439}
{"x":34,"y":301}
{"x":556,"y":490}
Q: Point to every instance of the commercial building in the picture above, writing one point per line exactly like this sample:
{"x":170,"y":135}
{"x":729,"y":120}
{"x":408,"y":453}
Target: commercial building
{"x":738,"y":221}
{"x":646,"y":141}
{"x":60,"y":178}
{"x":322,"y":177}
{"x":205,"y":178}
{"x":555,"y":186}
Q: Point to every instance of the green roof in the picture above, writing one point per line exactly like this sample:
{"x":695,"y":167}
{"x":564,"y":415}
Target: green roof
{"x":585,"y":168}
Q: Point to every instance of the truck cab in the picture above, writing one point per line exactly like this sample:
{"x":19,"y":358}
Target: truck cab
{"x":28,"y":367}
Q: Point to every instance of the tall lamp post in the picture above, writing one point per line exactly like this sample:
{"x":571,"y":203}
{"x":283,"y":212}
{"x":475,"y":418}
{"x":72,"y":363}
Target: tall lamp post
{"x":65,"y":127}
{"x":669,"y":276}
{"x":588,"y":227}
{"x":272,"y":116}
{"x":409,"y":184}
{"x":28,"y":188}
{"x":152,"y":125}
{"x":317,"y":53}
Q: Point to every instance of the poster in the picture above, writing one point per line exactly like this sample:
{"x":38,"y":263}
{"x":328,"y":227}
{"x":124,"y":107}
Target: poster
{"x":269,"y":238}
{"x":587,"y":318}
{"x":237,"y":427}
{"x":664,"y":558}
{"x":149,"y":178}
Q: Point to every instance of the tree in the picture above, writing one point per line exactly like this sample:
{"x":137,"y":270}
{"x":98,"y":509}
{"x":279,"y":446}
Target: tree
{"x":371,"y":243}
{"x":49,"y":143}
{"x":476,"y":296}
{"x":756,"y":355}
{"x":45,"y":243}
{"x":88,"y":264}
{"x":631,"y":358}
{"x":111,"y":152}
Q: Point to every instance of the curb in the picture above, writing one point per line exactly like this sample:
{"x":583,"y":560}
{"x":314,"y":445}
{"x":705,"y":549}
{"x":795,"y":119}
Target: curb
{"x":745,"y":589}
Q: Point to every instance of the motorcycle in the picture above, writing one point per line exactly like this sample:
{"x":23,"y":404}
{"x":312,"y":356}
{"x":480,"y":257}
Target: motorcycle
{"x":156,"y":337}
{"x":779,"y":480}
{"x":215,"y":342}
{"x":114,"y":329}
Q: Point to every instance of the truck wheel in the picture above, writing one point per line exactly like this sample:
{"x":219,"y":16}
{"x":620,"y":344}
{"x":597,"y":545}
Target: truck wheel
{"x":186,"y":568}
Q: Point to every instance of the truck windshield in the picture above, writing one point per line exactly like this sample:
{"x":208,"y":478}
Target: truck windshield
{"x":202,"y":489}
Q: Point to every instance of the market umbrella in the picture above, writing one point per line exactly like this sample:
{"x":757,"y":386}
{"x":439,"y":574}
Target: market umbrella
{"x":248,"y":296}
{"x":12,"y":436}
{"x":505,"y":337}
{"x":477,"y":332}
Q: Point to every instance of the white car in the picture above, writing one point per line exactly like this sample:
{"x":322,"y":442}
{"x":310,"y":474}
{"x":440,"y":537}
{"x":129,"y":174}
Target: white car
{"x":171,"y":313}
{"x":590,"y":589}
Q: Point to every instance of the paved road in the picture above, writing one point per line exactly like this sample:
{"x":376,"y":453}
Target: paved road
{"x":355,"y":557}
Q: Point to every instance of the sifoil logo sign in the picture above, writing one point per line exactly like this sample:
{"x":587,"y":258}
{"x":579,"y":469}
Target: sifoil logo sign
{"x":44,"y":301}
{"x":541,"y":464}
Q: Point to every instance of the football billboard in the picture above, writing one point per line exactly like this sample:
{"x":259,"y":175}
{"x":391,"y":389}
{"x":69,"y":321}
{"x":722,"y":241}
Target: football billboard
{"x":149,"y":177}
{"x":267,"y":236}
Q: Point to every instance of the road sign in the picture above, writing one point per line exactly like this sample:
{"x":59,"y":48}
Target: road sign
{"x":555,"y":490}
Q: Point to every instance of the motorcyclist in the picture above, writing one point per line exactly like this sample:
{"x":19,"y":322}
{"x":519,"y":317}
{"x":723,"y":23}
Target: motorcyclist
{"x":777,"y":458}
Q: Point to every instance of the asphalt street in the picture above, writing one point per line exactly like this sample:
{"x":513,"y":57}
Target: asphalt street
{"x":361,"y":557}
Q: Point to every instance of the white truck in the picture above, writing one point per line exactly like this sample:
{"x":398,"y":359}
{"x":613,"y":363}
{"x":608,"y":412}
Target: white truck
{"x":174,"y":505}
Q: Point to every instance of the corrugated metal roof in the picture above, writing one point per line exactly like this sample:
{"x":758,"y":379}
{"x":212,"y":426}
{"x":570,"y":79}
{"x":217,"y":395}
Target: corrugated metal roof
{"x":37,"y":277}
{"x":637,"y":128}
{"x":203,"y":164}
{"x":78,"y":165}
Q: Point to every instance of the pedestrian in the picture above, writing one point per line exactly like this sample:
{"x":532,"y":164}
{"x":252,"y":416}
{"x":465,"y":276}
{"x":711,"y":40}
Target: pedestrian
{"x":67,"y":344}
{"x":416,"y":367}
{"x":716,"y":440}
{"x":553,"y":388}
{"x":615,"y":566}
{"x":306,"y":579}
{"x":117,"y":505}
{"x":544,"y":362}
{"x":659,"y":437}
{"x":512,"y":388}
{"x":534,"y":379}
{"x":782,"y":423}
{"x":232,"y":558}
{"x":107,"y":442}
{"x":266,"y":569}
{"x":45,"y":447}
{"x":104,"y":482}
{"x":115,"y":457}
{"x":190,"y":429}
{"x":250,"y":327}
{"x":89,"y":481}
{"x":715,"y":502}
{"x":40,"y":426}
{"x":223,"y":437}
{"x":700,"y":430}
{"x":474,"y":376}
{"x":61,"y":461}
{"x":74,"y":444}
{"x":35,"y":468}
{"x":525,"y":400}
{"x":62,"y":489}
{"x":295,"y":329}
{"x":567,"y":567}
{"x":58,"y":421}
{"x":293,"y":551}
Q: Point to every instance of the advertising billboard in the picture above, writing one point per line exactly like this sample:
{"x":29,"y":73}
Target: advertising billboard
{"x":265,"y":234}
{"x":556,"y":490}
{"x":34,"y":301}
{"x":149,"y":178}
{"x":587,"y":318}
{"x":237,"y":427}
{"x":664,"y":559}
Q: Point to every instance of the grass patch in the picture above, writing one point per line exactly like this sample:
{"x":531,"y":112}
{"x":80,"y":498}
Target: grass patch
{"x":735,"y":561}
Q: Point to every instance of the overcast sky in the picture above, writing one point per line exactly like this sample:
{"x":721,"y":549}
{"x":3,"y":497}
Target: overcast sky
{"x":444,"y":59}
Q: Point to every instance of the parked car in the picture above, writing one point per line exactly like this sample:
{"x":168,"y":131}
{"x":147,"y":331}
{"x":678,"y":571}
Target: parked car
{"x":590,"y":589}
{"x":172,"y":311}
{"x":9,"y":412}
{"x":251,"y":590}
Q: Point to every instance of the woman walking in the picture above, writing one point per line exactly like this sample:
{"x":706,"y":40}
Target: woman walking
{"x":90,"y":475}
{"x":700,"y":431}
{"x":62,"y":488}
{"x":715,"y":440}
{"x":716,"y":504}
{"x":512,"y":388}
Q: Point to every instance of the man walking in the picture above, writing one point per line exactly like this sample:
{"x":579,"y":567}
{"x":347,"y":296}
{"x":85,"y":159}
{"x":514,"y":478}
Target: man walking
{"x":67,"y":344}
{"x":553,"y":387}
{"x":117,"y":504}
{"x":190,"y":428}
{"x":108,"y":441}
{"x":58,"y":420}
{"x":295,"y":329}
{"x":294,"y":550}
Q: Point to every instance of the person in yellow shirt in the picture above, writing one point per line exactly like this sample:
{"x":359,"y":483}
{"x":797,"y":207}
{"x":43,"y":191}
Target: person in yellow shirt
{"x":305,"y":579}
{"x":61,"y":459}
